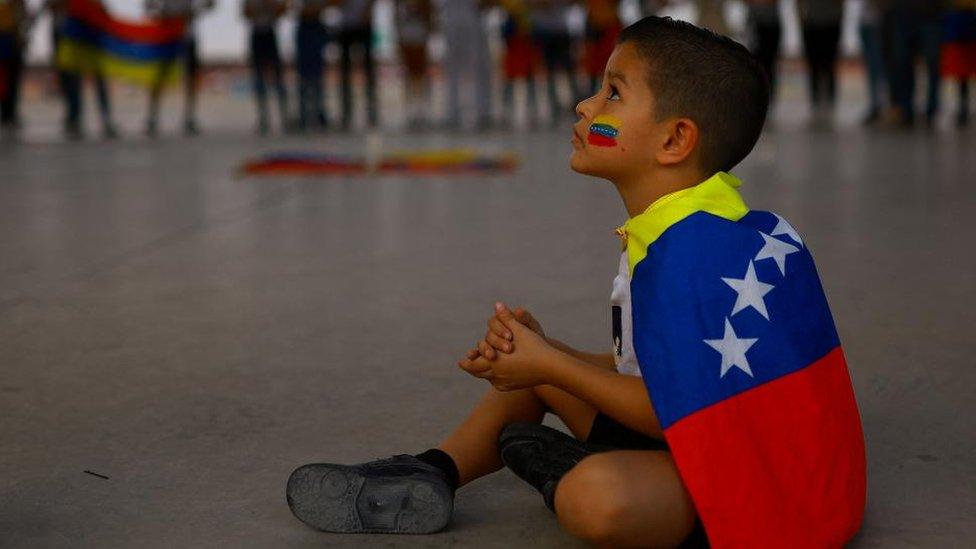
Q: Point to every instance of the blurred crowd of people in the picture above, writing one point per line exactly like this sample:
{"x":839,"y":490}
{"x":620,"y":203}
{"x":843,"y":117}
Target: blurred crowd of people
{"x":538,"y":40}
{"x":895,"y":35}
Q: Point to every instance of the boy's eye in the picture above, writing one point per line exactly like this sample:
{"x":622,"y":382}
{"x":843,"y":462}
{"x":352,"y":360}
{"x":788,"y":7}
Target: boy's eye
{"x":614,"y":94}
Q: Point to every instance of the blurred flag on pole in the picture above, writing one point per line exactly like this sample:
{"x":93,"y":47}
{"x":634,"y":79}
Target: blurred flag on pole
{"x":139,"y":51}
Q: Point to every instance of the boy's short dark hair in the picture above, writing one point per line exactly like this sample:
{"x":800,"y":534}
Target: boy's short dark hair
{"x":708,"y":78}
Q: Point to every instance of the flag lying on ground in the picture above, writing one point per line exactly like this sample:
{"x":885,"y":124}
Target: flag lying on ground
{"x":744,"y":367}
{"x":449,"y":161}
{"x":92,"y":40}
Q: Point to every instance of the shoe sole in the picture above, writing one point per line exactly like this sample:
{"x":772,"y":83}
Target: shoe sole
{"x":340,"y":499}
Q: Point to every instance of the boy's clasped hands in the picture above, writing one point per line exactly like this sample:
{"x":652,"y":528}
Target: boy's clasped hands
{"x":514,"y":353}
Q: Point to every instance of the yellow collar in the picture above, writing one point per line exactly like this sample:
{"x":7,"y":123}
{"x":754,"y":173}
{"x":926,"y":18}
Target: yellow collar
{"x":716,"y":195}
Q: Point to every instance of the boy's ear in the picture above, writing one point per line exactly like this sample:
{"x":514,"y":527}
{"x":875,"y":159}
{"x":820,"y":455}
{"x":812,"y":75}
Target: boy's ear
{"x":680,"y":141}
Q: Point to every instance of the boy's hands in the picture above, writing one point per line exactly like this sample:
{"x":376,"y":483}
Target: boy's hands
{"x":523,"y":365}
{"x":499,"y":337}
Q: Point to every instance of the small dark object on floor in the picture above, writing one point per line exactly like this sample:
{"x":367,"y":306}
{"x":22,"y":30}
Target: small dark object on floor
{"x":94,"y":474}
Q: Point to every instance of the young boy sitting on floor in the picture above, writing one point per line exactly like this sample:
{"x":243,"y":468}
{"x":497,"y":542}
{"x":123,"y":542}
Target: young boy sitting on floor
{"x":725,"y":414}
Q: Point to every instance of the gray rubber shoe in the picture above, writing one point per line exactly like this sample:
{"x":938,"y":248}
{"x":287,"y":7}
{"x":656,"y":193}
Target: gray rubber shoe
{"x":397,"y":495}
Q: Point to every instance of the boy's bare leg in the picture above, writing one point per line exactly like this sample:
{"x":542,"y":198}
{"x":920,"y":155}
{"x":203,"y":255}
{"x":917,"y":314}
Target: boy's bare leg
{"x":626,"y":498}
{"x":474,"y":444}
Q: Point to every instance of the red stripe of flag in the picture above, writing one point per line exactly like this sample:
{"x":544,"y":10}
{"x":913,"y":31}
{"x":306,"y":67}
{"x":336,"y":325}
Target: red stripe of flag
{"x":797,"y":479}
{"x":156,"y":32}
{"x":601,"y":140}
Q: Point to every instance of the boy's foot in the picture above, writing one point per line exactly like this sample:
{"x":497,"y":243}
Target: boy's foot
{"x":541,"y":455}
{"x":397,"y":495}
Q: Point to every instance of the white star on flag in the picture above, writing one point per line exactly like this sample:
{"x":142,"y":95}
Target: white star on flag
{"x":733,"y":350}
{"x":784,"y":227}
{"x":777,"y":250}
{"x":750,"y":292}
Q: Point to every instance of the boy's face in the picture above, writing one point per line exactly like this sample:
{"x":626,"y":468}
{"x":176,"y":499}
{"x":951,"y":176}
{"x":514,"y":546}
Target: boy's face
{"x":615,"y":134}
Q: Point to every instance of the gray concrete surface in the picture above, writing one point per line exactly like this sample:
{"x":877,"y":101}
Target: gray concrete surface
{"x":194,"y":336}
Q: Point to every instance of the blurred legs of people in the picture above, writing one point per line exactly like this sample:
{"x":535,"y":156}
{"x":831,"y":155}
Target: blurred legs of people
{"x":820,"y":45}
{"x":12,"y":60}
{"x":265,"y":58}
{"x":959,"y":56}
{"x":600,"y":42}
{"x":711,"y":15}
{"x":191,"y":65}
{"x":769,"y":34}
{"x":417,"y":85}
{"x":519,"y":65}
{"x":310,"y":41}
{"x":72,"y":86}
{"x":913,"y":36}
{"x":468,"y":57}
{"x":557,"y":52}
{"x":874,"y":67}
{"x":361,"y":38}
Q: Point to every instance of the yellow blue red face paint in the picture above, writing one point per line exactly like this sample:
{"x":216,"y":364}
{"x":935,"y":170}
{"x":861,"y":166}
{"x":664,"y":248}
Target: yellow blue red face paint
{"x":604,"y":131}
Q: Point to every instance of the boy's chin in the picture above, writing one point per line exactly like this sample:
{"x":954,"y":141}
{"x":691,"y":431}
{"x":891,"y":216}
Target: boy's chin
{"x":586,"y":166}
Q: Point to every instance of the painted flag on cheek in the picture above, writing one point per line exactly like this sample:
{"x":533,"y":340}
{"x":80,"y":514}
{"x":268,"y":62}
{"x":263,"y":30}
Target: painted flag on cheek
{"x":604,"y":131}
{"x":744,"y":367}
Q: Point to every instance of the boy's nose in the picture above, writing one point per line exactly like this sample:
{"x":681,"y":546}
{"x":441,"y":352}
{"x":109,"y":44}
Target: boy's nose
{"x":582,"y":108}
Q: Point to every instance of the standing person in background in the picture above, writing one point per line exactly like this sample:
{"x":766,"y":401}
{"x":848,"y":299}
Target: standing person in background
{"x":916,"y":30}
{"x":467,"y":56}
{"x":872,"y":48}
{"x":551,"y":27}
{"x":263,"y":16}
{"x":959,"y":52}
{"x":520,"y":58}
{"x":188,"y":10}
{"x":602,"y":29}
{"x":310,"y":39}
{"x":357,"y":32}
{"x":765,"y":19}
{"x":820,"y":21}
{"x":72,"y":83}
{"x":414,"y":22}
{"x":13,"y":20}
{"x":711,"y":15}
{"x":652,"y":7}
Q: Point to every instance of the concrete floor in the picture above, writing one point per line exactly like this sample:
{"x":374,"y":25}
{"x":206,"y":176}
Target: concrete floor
{"x":194,"y":336}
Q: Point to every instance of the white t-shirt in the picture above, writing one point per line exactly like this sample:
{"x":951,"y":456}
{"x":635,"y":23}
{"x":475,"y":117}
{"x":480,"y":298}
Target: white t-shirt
{"x":622,"y":321}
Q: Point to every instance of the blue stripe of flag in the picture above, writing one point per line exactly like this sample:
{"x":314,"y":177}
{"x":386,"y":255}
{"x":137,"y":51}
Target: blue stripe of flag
{"x":601,"y":129}
{"x":679,"y":300}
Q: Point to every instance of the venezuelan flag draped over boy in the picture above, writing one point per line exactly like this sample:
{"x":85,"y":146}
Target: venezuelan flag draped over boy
{"x":740,"y":356}
{"x":94,"y":41}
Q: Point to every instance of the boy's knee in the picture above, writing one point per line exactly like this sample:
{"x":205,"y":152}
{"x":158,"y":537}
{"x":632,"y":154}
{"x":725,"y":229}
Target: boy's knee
{"x":590,"y":501}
